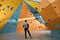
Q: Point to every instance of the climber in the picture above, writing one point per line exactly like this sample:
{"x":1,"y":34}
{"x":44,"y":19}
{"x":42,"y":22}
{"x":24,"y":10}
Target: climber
{"x":26,"y":29}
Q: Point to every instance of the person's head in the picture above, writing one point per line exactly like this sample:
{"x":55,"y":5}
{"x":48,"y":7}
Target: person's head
{"x":25,"y":20}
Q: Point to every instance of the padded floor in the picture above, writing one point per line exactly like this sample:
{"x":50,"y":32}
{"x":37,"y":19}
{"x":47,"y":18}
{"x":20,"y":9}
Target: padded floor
{"x":37,"y":35}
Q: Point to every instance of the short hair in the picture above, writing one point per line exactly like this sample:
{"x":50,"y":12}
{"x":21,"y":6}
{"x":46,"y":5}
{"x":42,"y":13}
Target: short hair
{"x":25,"y":20}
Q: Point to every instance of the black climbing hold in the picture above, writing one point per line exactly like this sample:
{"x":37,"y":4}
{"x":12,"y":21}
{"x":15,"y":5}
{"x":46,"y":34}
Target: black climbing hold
{"x":54,"y":6}
{"x":48,"y":19}
{"x":3,"y":9}
{"x":2,"y":0}
{"x":59,"y":13}
{"x":0,"y":9}
{"x":8,"y":6}
{"x":4,"y":13}
{"x":36,"y":18}
{"x":42,"y":8}
{"x":11,"y":8}
{"x":36,"y":8}
{"x":0,"y":5}
{"x":36,"y":12}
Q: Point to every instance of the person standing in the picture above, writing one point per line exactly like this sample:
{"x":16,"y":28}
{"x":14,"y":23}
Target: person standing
{"x":26,"y":29}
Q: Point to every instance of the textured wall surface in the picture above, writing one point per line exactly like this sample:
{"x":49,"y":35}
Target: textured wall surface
{"x":14,"y":12}
{"x":37,"y":13}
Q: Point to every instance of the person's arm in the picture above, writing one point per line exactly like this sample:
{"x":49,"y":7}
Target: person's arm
{"x":23,"y":26}
{"x":28,"y":25}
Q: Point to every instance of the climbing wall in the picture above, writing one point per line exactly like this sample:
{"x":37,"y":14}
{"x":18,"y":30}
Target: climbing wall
{"x":26,"y":14}
{"x":7,"y":13}
{"x":14,"y":12}
{"x":36,"y":12}
{"x":50,"y":12}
